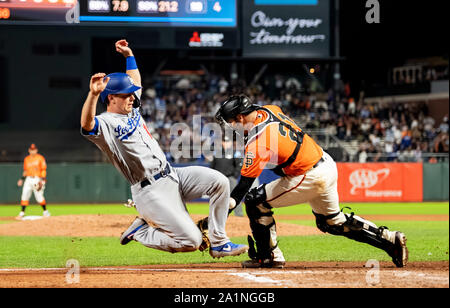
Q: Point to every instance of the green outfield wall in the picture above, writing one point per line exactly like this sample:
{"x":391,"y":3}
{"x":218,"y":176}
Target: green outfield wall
{"x":99,"y":183}
{"x":435,"y":182}
{"x":69,"y":183}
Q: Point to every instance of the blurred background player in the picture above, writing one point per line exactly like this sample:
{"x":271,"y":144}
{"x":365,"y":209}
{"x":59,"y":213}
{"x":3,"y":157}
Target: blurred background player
{"x":229,"y":163}
{"x":33,"y":180}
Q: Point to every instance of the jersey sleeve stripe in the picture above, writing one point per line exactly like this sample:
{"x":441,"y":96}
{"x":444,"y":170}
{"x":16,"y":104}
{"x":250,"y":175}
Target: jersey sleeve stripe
{"x":94,"y":131}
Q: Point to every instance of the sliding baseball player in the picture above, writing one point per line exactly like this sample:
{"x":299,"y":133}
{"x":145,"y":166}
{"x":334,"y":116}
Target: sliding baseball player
{"x":159,"y":190}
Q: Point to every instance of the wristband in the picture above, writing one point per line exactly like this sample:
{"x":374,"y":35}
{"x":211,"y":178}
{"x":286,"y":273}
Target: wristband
{"x":131,"y":63}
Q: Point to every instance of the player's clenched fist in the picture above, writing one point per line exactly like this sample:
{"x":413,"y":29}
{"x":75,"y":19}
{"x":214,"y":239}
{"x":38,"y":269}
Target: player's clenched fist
{"x":122,"y":48}
{"x":98,"y":83}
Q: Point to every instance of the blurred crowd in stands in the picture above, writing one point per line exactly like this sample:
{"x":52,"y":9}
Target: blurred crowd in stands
{"x":380,"y":131}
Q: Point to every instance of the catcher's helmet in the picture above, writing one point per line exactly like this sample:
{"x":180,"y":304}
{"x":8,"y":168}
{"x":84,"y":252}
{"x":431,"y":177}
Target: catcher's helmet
{"x":234,"y":105}
{"x":120,"y":83}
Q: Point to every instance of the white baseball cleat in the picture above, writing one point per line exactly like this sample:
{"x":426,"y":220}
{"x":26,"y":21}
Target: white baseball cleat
{"x":46,"y":214}
{"x":20,"y":216}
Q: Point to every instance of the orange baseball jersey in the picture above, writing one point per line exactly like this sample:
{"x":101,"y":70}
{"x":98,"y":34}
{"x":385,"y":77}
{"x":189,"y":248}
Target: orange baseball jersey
{"x":273,"y":141}
{"x":34,"y":165}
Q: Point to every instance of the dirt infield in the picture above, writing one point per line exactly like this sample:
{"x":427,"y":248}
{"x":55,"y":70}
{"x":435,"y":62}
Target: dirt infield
{"x":231,"y":275}
{"x":114,"y":225}
{"x":213,"y":275}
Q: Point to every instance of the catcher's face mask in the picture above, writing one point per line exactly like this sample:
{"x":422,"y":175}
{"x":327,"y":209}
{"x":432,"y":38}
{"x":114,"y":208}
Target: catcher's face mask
{"x":231,"y":108}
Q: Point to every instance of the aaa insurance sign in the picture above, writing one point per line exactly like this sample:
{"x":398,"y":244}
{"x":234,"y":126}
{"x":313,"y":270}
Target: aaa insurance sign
{"x":380,"y":182}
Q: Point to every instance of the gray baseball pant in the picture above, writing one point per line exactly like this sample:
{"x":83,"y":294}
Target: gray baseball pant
{"x":163,"y":204}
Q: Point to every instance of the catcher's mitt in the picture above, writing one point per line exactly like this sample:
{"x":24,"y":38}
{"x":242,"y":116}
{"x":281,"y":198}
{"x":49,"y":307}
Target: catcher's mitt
{"x":202,"y":224}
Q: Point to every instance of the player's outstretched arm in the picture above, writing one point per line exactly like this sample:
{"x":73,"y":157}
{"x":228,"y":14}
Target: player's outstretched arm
{"x":122,"y":47}
{"x":97,"y":85}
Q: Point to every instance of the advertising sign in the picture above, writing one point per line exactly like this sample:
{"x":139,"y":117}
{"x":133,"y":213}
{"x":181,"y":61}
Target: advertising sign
{"x":380,"y":182}
{"x":286,"y":28}
{"x":208,"y":38}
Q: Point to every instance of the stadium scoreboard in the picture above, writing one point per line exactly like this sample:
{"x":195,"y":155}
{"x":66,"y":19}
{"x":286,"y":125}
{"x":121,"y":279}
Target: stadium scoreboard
{"x":183,"y":13}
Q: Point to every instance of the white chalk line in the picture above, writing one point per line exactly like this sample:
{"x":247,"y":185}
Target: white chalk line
{"x":129,"y":269}
{"x":233,"y":272}
{"x":421,"y":275}
{"x":257,"y":279}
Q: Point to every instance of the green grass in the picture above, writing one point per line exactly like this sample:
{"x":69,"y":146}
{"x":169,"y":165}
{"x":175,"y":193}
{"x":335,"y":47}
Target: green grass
{"x":37,"y":252}
{"x":425,"y":208}
{"x":427,"y":240}
{"x":416,"y":208}
{"x":68,"y":209}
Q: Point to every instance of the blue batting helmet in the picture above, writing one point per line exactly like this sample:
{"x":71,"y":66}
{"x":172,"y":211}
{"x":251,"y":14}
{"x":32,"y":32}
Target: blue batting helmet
{"x":119,"y":83}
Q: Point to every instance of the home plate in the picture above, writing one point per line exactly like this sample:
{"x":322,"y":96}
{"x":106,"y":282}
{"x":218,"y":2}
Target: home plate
{"x":32,"y":217}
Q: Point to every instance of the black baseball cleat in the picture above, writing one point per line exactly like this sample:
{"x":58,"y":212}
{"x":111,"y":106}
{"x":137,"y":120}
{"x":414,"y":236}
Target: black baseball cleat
{"x":263,"y":263}
{"x":400,"y":251}
{"x":127,"y":236}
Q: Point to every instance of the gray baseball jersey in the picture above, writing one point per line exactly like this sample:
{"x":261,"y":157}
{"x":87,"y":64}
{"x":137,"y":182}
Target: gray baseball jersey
{"x":130,"y":147}
{"x":128,"y":144}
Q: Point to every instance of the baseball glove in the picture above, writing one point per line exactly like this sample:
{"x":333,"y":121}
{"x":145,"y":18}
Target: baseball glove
{"x":130,"y":203}
{"x":202,"y":224}
{"x":40,"y":185}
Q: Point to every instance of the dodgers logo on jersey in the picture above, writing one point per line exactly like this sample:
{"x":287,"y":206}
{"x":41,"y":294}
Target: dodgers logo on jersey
{"x":123,"y":133}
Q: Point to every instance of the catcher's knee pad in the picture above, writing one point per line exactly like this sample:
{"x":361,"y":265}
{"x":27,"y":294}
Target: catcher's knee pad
{"x":327,"y":223}
{"x":258,"y":209}
{"x":257,"y":196}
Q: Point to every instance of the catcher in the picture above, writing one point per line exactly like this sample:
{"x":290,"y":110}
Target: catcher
{"x":33,"y":180}
{"x":307,"y":174}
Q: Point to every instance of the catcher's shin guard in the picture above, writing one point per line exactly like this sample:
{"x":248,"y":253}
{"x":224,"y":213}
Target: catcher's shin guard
{"x":358,"y":229}
{"x":262,"y":224}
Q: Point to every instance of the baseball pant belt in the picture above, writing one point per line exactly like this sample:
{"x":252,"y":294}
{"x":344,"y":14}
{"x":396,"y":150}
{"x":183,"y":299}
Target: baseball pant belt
{"x":156,"y":177}
{"x":319,"y":162}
